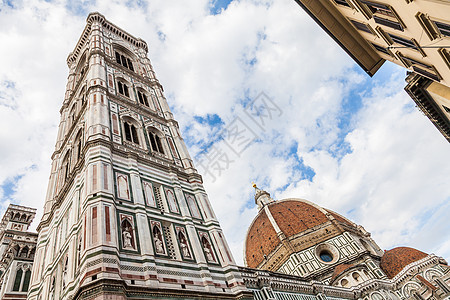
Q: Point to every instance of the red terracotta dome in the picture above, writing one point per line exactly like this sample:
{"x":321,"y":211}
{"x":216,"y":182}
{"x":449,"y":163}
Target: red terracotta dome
{"x":393,"y":261}
{"x":292,"y":216}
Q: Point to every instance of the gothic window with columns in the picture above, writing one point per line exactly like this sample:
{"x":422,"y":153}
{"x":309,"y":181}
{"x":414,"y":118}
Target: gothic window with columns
{"x":131,"y":134}
{"x":122,"y":88}
{"x":78,"y":145}
{"x":22,"y":279}
{"x":155,"y":141}
{"x":123,"y":60}
{"x":142,"y":97}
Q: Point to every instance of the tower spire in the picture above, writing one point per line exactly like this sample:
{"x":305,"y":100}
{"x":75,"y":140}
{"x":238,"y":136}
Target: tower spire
{"x":262,"y":197}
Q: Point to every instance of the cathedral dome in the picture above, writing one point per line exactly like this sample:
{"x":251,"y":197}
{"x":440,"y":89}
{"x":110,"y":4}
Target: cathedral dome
{"x":393,"y":261}
{"x":282,"y":219}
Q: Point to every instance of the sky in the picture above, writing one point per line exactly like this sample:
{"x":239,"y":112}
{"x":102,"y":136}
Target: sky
{"x":316,"y":126}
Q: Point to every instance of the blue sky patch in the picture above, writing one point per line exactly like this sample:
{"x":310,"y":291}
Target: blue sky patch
{"x":217,"y":6}
{"x":9,"y":186}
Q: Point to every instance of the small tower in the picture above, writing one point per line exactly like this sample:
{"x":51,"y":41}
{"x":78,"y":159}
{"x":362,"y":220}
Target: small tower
{"x":126,"y":212}
{"x":17,"y":248}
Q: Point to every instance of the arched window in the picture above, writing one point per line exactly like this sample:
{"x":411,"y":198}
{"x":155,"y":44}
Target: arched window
{"x":130,"y":132}
{"x":65,"y":272}
{"x":155,"y":142}
{"x":18,"y":280}
{"x":123,"y":89}
{"x":124,"y":61}
{"x":78,"y":145}
{"x":26,"y":281}
{"x":24,"y":252}
{"x":356,"y":276}
{"x":142,"y":98}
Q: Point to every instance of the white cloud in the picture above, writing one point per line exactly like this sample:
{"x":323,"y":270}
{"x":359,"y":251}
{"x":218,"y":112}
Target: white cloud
{"x":387,"y":172}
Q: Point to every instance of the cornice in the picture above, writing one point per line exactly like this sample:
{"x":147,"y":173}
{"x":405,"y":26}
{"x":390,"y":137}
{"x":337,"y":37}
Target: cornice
{"x":97,"y":17}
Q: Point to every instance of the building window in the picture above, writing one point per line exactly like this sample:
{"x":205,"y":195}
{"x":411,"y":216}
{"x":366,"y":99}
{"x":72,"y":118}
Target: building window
{"x":381,"y":49}
{"x":361,"y":26}
{"x":420,"y":67}
{"x":407,"y":43}
{"x":142,"y":98}
{"x":123,"y":89}
{"x":384,"y":15}
{"x":326,"y":256}
{"x":18,"y":280}
{"x":445,"y":54}
{"x":444,"y":29}
{"x":342,"y":2}
{"x":131,"y":133}
{"x":155,"y":142}
{"x":124,"y":61}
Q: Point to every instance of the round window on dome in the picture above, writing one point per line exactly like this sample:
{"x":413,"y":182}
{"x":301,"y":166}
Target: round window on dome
{"x":327,"y":253}
{"x":326,"y":256}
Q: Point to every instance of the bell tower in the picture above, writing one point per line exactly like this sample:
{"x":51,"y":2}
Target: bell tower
{"x":126,"y":214}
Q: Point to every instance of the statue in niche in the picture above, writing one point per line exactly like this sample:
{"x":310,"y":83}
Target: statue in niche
{"x":157,"y":236}
{"x":183,"y":244}
{"x":207,"y":248}
{"x":127,"y":235}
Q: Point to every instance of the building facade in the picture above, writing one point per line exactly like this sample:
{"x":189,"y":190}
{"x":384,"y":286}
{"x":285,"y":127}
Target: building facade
{"x":17,"y":250}
{"x":126,"y":214}
{"x":412,"y":34}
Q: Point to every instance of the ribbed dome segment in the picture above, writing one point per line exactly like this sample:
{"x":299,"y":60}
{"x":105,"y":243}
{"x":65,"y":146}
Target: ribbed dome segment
{"x":261,"y":240}
{"x":291,"y":216}
{"x":295,"y":216}
{"x":393,"y":261}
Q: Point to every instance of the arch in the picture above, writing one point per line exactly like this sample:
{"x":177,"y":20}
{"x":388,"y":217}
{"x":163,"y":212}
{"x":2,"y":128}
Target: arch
{"x":123,"y":87}
{"x":155,"y":136}
{"x":18,"y":280}
{"x":65,"y":271}
{"x":356,"y":276}
{"x":142,"y":97}
{"x":72,"y":114}
{"x":24,"y":252}
{"x":23,"y":218}
{"x":65,"y":166}
{"x":16,"y":250}
{"x":78,"y":145}
{"x":131,"y":129}
{"x":432,"y":274}
{"x":26,"y":280}
{"x":344,"y":282}
{"x":124,"y":57}
{"x":82,"y":95}
{"x":409,"y":288}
